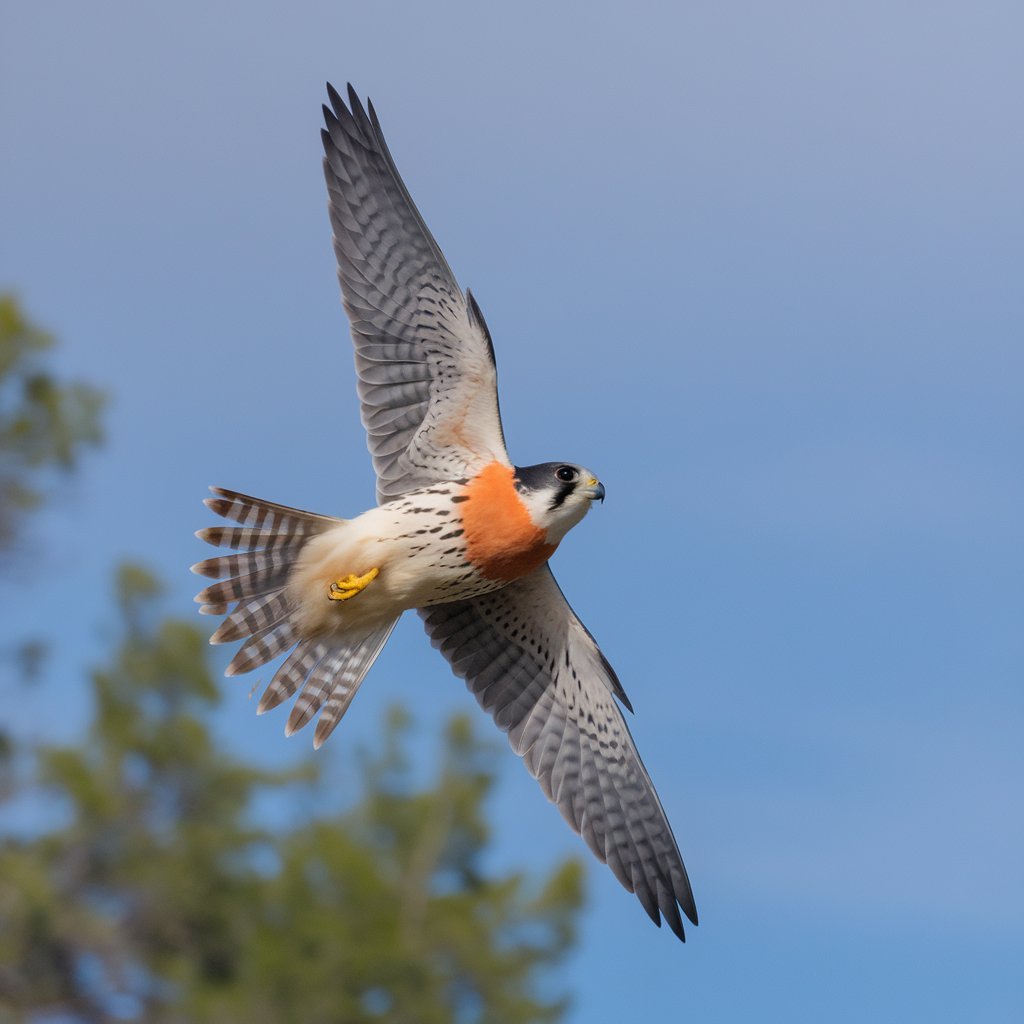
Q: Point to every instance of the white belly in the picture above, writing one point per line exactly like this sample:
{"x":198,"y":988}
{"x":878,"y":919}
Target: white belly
{"x":420,"y":558}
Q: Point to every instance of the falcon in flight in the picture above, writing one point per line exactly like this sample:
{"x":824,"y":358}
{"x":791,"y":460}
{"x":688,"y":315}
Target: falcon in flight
{"x":460,"y":534}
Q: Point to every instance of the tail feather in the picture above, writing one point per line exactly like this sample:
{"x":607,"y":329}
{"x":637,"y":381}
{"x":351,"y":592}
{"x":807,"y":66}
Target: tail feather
{"x":267,"y":542}
{"x":256,"y":584}
{"x":254,"y":616}
{"x":243,"y":563}
{"x":362,"y":658}
{"x":291,"y":675}
{"x":214,"y":609}
{"x":333,"y":712}
{"x":317,"y":689}
{"x":334,"y":681}
{"x":266,"y":516}
{"x":258,"y":650}
{"x":246,"y":537}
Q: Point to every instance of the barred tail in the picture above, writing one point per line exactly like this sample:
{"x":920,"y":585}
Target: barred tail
{"x":268,"y":541}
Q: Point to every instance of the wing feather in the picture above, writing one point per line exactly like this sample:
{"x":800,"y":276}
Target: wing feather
{"x":424,"y":359}
{"x":537,"y":671}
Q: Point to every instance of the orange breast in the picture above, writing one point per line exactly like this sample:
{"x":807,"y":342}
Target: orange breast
{"x":502,"y":542}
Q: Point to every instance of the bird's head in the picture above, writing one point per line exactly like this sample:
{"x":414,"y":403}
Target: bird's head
{"x":558,"y":495}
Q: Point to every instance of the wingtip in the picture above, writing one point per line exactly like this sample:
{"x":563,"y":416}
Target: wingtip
{"x":476,"y":318}
{"x":675,"y":924}
{"x":670,"y":913}
{"x":684,"y":895}
{"x":334,"y":96}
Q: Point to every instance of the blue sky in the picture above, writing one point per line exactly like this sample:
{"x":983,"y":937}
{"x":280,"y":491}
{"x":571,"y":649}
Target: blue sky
{"x":759,"y":266}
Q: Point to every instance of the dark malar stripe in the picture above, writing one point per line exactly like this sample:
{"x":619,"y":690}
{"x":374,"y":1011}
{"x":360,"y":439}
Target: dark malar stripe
{"x":563,"y":492}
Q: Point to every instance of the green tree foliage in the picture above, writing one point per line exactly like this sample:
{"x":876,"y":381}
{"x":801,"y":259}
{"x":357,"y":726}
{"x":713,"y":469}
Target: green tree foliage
{"x":156,"y":898}
{"x":44,"y":424}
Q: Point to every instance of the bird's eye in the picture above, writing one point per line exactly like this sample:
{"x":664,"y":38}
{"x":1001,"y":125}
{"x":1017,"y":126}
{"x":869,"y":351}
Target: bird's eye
{"x":566,"y":474}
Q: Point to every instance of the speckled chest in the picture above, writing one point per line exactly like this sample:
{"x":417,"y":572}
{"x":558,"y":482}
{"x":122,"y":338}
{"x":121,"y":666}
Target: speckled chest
{"x":470,"y":536}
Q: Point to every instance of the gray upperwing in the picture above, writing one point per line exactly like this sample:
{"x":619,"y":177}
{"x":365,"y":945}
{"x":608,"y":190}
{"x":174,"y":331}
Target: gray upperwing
{"x":427,"y":380}
{"x":536,"y":670}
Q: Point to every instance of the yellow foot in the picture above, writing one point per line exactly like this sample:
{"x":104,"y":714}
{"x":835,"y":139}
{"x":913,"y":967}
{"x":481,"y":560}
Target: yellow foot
{"x":348,"y":586}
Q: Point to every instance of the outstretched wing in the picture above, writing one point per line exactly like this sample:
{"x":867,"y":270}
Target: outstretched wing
{"x":534,"y":667}
{"x":427,"y":380}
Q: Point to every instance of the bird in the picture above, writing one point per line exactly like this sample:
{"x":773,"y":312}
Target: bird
{"x":460,"y":534}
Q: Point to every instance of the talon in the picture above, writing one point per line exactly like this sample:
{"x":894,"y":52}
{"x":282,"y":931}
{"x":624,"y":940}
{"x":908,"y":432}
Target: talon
{"x":348,"y":586}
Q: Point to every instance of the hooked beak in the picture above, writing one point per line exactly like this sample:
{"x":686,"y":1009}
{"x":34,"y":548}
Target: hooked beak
{"x":595,"y":490}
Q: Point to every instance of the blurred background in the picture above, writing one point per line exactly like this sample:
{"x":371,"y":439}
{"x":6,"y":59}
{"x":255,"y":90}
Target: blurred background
{"x":757,"y":265}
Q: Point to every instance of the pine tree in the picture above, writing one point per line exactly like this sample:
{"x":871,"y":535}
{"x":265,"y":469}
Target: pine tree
{"x":157,"y":896}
